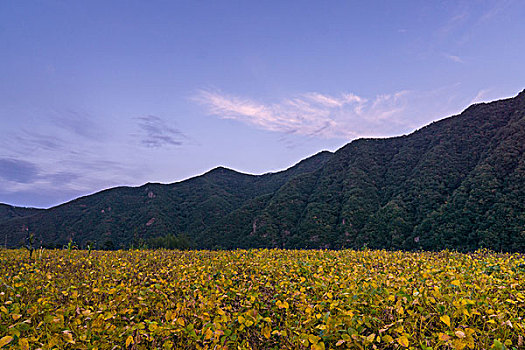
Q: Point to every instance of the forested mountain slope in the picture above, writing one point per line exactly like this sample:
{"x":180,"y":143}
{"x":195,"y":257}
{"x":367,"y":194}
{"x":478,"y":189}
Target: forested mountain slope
{"x":458,"y":183}
{"x":122,"y":216}
{"x":9,"y":212}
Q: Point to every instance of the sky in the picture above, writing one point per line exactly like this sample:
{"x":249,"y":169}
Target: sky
{"x":96,"y":94}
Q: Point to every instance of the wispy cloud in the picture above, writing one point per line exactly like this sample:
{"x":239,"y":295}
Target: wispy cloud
{"x":467,"y":17}
{"x":34,"y":140}
{"x":155,"y":132}
{"x":453,"y":58}
{"x":345,"y":115}
{"x":22,"y":173}
{"x":66,"y":154}
{"x":79,"y":123}
{"x":62,"y":177}
{"x":17,"y":170}
{"x":494,"y":10}
{"x":488,"y":94}
{"x":56,"y":164}
{"x":457,"y":20}
{"x":52,"y":183}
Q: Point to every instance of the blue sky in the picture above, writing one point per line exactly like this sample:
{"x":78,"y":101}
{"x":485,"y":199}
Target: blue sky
{"x":96,"y":94}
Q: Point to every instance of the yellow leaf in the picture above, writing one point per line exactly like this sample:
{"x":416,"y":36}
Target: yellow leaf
{"x":304,"y":341}
{"x":459,"y":344}
{"x":14,"y":332}
{"x":54,"y":341}
{"x":443,"y":337}
{"x":313,"y":338}
{"x":129,"y":341}
{"x":318,"y":346}
{"x":456,"y":283}
{"x":388,"y":339}
{"x":282,"y":304}
{"x":399,"y":329}
{"x":371,"y":337}
{"x":403,"y":341}
{"x":266,"y":331}
{"x":208,"y":334}
{"x":68,"y":337}
{"x":23,"y":343}
{"x":86,"y":312}
{"x":241,"y":319}
{"x":469,"y":331}
{"x":445,"y":319}
{"x":169,"y":315}
{"x":5,"y":340}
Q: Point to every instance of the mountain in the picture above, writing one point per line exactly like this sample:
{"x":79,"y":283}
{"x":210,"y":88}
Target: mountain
{"x":9,"y":212}
{"x":122,"y":216}
{"x":458,"y":183}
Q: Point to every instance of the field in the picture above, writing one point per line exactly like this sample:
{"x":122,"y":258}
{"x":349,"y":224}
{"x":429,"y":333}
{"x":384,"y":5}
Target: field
{"x":261,"y":299}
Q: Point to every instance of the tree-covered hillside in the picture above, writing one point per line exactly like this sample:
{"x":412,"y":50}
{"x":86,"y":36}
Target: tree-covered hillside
{"x":125,"y":216}
{"x":458,"y":183}
{"x":9,"y":212}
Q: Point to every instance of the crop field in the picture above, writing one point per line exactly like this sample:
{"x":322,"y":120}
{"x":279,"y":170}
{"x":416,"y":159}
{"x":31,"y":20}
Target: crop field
{"x":261,"y":299}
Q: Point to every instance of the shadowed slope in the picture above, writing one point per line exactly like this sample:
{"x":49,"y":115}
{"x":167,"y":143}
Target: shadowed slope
{"x":457,"y":183}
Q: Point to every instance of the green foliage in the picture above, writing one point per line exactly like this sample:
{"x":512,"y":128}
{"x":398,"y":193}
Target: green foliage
{"x":89,"y":247}
{"x":180,"y":242}
{"x":262,"y":299}
{"x":30,"y":243}
{"x":10,"y":212}
{"x":458,"y":183}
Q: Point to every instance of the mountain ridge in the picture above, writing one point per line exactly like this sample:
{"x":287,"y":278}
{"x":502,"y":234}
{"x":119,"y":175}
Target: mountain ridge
{"x":456,"y":183}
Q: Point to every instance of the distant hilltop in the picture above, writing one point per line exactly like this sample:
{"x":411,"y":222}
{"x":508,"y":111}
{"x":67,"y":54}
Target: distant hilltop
{"x":458,"y":183}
